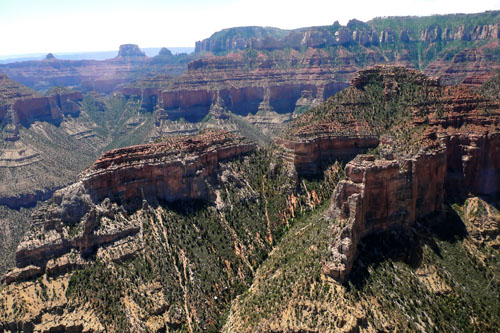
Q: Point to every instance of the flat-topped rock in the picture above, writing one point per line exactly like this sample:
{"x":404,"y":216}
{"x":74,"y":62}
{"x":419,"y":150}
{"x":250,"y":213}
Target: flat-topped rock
{"x":171,"y":170}
{"x":130,"y":50}
{"x":98,"y":212}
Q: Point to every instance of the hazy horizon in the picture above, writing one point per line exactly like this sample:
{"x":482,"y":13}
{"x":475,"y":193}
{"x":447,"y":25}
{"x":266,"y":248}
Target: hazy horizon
{"x":88,"y":55}
{"x":58,"y":26}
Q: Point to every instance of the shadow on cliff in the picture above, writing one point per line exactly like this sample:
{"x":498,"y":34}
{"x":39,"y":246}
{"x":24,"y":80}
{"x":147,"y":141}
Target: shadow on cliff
{"x":405,"y":246}
{"x":183,"y":207}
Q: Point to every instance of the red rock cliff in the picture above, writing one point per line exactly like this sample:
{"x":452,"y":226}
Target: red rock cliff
{"x":173,"y":170}
{"x":458,"y":154}
{"x":73,"y":224}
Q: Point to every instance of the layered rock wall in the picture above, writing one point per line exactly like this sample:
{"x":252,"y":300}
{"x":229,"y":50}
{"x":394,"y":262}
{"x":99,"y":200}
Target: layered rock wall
{"x":242,"y":86}
{"x":309,"y":156}
{"x":50,"y":108}
{"x":160,"y":172}
{"x":381,"y":194}
{"x":365,"y":34}
{"x":98,"y":213}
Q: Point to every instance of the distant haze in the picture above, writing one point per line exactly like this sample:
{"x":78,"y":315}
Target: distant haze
{"x":35,"y":26}
{"x":99,"y":55}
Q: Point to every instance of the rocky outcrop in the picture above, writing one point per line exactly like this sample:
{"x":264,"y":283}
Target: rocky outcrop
{"x":311,"y":155}
{"x":178,"y":169}
{"x":380,"y":194}
{"x":103,"y":76}
{"x":130,"y":51}
{"x":457,"y":156}
{"x":76,"y":222}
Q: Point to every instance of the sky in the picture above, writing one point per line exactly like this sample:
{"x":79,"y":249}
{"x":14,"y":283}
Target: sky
{"x":42,"y":26}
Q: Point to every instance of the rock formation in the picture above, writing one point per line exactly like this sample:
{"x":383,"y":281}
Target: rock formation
{"x":103,"y":76}
{"x":257,"y":89}
{"x":265,"y":73}
{"x":75,"y":222}
{"x":165,"y":52}
{"x":130,"y":51}
{"x":21,"y":106}
{"x":436,"y":29}
{"x":472,"y":67}
{"x":454,"y":148}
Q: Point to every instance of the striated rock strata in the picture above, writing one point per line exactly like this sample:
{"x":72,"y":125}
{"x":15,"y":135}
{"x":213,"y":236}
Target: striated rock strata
{"x":22,"y":106}
{"x":265,"y":90}
{"x":76,"y":222}
{"x":310,"y":155}
{"x":458,"y":154}
{"x":438,"y":28}
{"x":103,"y":76}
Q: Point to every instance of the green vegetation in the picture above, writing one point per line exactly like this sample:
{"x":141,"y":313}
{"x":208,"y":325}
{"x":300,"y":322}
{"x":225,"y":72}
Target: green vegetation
{"x":364,"y":104}
{"x":203,"y":255}
{"x":417,"y":24}
{"x":428,"y":279}
{"x":492,"y":87}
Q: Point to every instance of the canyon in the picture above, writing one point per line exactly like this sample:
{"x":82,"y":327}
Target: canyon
{"x":269,"y":76}
{"x":178,"y":169}
{"x":104,"y":76}
{"x":456,"y":153}
{"x":263,"y":183}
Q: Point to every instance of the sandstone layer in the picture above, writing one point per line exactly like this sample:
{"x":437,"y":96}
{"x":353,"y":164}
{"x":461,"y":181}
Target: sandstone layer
{"x":458,"y":155}
{"x":77,"y":220}
{"x":432,"y":139}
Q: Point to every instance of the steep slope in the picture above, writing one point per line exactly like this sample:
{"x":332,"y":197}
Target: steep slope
{"x":47,"y":140}
{"x":155,"y":259}
{"x":435,"y":277}
{"x":439,"y":146}
{"x":270,"y":76}
{"x":38,"y":133}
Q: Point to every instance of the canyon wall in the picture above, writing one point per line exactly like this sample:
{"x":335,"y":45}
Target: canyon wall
{"x":75,"y":222}
{"x":433,"y":141}
{"x":51,"y":108}
{"x":365,"y":34}
{"x":179,"y":169}
{"x":380,"y":194}
{"x":310,"y":156}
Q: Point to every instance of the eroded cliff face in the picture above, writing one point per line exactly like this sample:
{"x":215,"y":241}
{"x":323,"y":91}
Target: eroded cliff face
{"x":147,"y":263}
{"x":472,"y":67}
{"x":457,"y":156}
{"x":371,"y":33}
{"x":28,"y":121}
{"x":178,"y":169}
{"x":311,"y":156}
{"x":22,"y":106}
{"x":120,"y":181}
{"x":265,"y":90}
{"x":402,"y":226}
